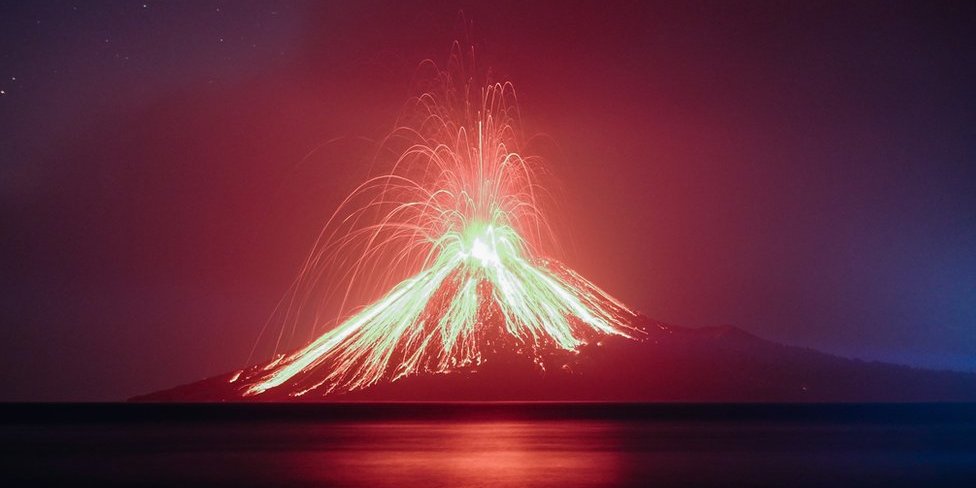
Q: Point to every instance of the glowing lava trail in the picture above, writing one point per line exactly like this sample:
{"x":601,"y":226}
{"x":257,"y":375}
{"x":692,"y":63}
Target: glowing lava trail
{"x":459,"y":215}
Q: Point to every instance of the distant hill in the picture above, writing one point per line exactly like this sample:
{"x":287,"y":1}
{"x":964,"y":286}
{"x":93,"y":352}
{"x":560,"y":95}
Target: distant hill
{"x":674,"y":364}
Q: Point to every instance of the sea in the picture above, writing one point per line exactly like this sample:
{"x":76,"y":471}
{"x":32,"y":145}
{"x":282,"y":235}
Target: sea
{"x":562,"y":445}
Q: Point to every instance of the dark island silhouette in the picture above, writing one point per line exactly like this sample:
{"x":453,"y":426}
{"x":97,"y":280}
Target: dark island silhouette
{"x":673,"y":364}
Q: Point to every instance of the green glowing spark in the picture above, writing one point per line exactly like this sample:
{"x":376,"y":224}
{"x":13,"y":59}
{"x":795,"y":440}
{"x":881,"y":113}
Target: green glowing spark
{"x":540,"y":308}
{"x":459,"y":213}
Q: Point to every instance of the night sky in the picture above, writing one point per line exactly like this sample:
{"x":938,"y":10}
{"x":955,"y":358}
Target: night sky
{"x":804,"y":172}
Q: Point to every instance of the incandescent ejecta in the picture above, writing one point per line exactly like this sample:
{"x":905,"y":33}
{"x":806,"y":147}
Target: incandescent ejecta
{"x":459,"y":218}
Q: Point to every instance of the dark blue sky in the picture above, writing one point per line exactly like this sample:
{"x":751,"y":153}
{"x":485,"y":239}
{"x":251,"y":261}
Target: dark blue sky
{"x":803,"y":172}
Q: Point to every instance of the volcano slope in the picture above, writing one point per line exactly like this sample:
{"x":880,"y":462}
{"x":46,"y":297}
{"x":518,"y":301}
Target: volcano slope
{"x":670,"y":364}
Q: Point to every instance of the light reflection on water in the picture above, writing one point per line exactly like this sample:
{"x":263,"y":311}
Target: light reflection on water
{"x":496,"y":454}
{"x":483,"y":454}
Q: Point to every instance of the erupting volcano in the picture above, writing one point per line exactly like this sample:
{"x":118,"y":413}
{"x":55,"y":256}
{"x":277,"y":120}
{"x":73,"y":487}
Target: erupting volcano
{"x":450,"y":247}
{"x":460,"y":214}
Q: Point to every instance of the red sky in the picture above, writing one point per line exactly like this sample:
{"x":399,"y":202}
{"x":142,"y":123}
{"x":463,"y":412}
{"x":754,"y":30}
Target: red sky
{"x":802,"y":172}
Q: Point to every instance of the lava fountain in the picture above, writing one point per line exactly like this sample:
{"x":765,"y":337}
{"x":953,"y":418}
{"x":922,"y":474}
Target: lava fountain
{"x":458,"y":218}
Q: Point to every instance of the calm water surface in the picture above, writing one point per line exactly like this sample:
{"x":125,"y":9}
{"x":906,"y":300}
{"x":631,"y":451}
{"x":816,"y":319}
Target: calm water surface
{"x":491,"y":446}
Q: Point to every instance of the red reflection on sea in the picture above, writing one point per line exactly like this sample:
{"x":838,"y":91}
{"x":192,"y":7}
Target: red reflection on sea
{"x":480,"y":453}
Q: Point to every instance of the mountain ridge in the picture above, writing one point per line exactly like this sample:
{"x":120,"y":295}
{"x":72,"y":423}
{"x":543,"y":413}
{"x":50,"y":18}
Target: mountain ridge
{"x":672,"y":364}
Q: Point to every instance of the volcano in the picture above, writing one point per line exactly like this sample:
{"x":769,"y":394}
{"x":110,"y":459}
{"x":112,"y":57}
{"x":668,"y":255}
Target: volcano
{"x":671,"y":364}
{"x":452,"y":251}
{"x":478,"y":300}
